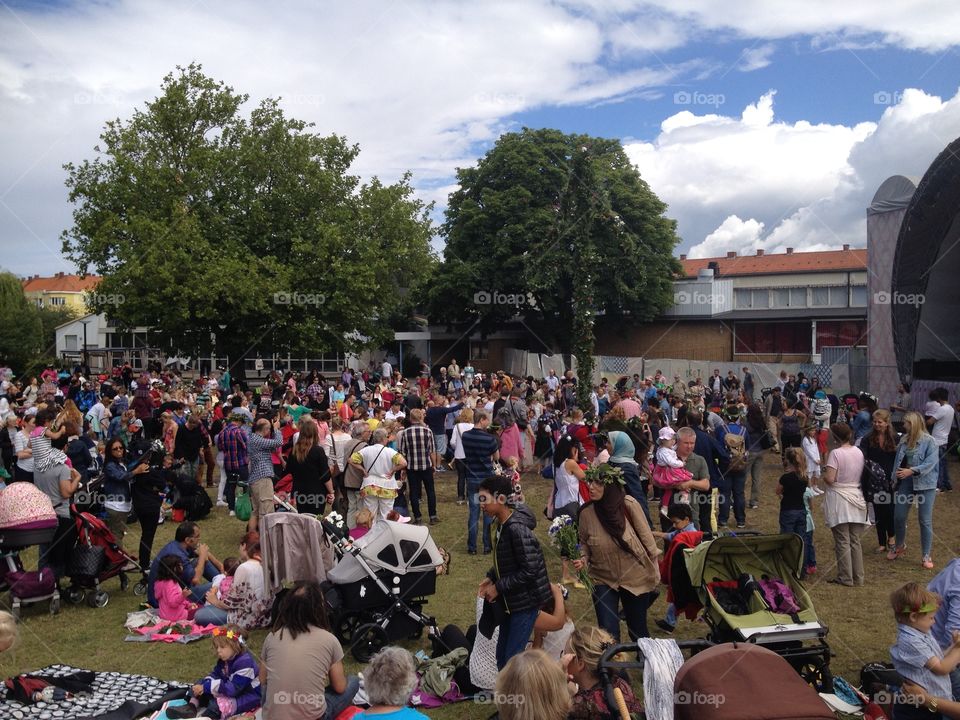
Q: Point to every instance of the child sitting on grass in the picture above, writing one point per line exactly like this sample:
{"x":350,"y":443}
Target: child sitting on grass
{"x":917,"y":656}
{"x":172,"y":602}
{"x":223,"y":581}
{"x":681,"y":515}
{"x":233,"y":688}
{"x":586,"y":646}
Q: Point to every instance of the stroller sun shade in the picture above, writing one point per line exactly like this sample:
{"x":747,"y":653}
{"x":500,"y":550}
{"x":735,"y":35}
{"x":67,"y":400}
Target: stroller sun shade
{"x":396,"y":547}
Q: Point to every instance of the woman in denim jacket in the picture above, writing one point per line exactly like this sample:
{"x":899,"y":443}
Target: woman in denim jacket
{"x":916,"y":467}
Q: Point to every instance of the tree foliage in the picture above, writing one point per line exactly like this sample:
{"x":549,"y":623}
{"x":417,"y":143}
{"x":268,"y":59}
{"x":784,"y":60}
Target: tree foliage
{"x":564,"y":218}
{"x":21,"y":326}
{"x":198,"y":216}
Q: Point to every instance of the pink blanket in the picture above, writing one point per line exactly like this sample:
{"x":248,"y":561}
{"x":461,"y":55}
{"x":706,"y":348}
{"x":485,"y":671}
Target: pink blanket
{"x":171,"y":632}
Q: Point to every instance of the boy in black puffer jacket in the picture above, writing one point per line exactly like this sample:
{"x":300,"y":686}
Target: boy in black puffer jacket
{"x":518,"y":580}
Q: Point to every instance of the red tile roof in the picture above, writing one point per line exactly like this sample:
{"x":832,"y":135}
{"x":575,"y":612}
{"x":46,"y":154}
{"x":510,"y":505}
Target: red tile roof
{"x":779,"y":263}
{"x":60,"y":282}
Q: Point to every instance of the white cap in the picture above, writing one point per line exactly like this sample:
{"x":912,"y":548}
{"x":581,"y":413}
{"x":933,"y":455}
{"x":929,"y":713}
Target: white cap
{"x":666,"y":433}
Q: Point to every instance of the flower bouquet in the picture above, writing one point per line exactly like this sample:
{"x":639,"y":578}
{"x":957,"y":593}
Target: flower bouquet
{"x":335,"y":521}
{"x":565,"y":538}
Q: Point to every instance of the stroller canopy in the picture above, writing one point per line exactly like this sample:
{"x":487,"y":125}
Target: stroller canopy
{"x":24,"y":505}
{"x":391,"y":546}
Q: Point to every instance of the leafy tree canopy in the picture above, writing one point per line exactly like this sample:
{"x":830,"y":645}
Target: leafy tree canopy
{"x":566,"y":219}
{"x":199,"y":216}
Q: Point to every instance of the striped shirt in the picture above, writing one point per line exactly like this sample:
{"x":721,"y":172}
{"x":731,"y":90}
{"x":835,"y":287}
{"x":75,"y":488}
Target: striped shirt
{"x":416,"y":445}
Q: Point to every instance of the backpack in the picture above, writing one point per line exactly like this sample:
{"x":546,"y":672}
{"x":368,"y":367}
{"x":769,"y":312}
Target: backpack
{"x":736,"y":449}
{"x":778,"y":596}
{"x":874,"y":482}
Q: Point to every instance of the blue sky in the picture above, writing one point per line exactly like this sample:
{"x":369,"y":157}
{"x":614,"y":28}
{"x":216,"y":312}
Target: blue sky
{"x":762,"y":125}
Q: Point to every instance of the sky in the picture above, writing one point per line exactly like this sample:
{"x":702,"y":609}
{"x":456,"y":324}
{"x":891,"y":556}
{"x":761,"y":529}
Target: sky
{"x":760,"y":124}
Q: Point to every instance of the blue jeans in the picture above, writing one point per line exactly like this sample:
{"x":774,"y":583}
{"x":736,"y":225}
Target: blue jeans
{"x":943,"y":477}
{"x":733,"y":496}
{"x":514,"y":634}
{"x":338,"y":702}
{"x":795,"y":521}
{"x":901,"y":509}
{"x":210,"y":615}
{"x":473,"y":519}
{"x":606,"y":603}
{"x":631,"y":476}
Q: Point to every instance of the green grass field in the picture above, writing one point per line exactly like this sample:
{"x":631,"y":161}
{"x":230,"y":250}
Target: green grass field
{"x":860,"y":622}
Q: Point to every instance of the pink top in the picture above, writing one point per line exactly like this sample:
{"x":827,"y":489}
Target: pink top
{"x":225,"y":586}
{"x":358,"y":532}
{"x":170,"y":600}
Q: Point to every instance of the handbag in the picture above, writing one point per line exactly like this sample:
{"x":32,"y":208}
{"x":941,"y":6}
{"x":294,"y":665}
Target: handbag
{"x":243,"y":507}
{"x":86,"y":561}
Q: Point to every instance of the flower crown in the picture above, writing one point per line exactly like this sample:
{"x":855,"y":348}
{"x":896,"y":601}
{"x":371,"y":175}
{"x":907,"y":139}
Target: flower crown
{"x":229,"y":634}
{"x":604,"y":473}
{"x":918,"y":608}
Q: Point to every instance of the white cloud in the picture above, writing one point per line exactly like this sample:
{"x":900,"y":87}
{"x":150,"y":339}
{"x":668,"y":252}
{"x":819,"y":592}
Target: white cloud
{"x":798,"y":185}
{"x":756,"y":58}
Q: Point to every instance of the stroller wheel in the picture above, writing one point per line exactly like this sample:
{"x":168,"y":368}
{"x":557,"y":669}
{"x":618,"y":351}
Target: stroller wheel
{"x":98,"y":599}
{"x":367,"y":641}
{"x":75,"y":595}
{"x":346,"y":625}
{"x":140,"y":588}
{"x":55,"y":606}
{"x":124,"y":582}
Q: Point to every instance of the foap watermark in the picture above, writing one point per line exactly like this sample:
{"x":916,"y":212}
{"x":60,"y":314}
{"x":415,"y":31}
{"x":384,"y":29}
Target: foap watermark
{"x":103,"y":299}
{"x":696,"y":97}
{"x":95,"y":98}
{"x":886,"y":697}
{"x":495,"y":297}
{"x":490,"y":697}
{"x":898,"y":298}
{"x":298,"y":298}
{"x":499,"y":98}
{"x":887,"y":97}
{"x":688,"y":297}
{"x":684,"y":697}
{"x":310,"y":700}
{"x":305,"y":99}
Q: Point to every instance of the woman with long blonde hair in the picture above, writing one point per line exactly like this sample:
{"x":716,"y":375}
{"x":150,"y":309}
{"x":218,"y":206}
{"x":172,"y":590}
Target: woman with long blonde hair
{"x":916,"y":465}
{"x":880,"y":446}
{"x":312,"y":484}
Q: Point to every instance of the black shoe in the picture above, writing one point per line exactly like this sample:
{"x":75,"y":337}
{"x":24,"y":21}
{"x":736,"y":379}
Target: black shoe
{"x":415,"y":521}
{"x":471,"y":552}
{"x":182,"y":711}
{"x":665,"y":626}
{"x":487,"y":551}
{"x":754,"y":505}
{"x":434,"y":520}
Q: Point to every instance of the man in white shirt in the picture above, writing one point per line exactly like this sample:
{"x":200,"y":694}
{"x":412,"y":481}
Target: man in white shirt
{"x":940,"y":420}
{"x":386,"y":370}
{"x":95,"y":418}
{"x":553,"y":382}
{"x":394,"y":413}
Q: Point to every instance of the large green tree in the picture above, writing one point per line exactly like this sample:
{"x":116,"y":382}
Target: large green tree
{"x":199,"y":216}
{"x":21,"y":330}
{"x":565,"y":221}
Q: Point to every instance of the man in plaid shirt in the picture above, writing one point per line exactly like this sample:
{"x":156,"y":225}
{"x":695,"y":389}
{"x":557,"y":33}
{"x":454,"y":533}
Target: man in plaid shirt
{"x":261,"y":442}
{"x":416,"y":445}
{"x":232,"y":442}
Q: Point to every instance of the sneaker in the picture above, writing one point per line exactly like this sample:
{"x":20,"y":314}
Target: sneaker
{"x":434,"y":520}
{"x":222,"y":503}
{"x":754,"y":504}
{"x":461,"y":501}
{"x":927,"y":563}
{"x":741,"y":526}
{"x":233,"y":514}
{"x":665,"y":626}
{"x":896,"y":552}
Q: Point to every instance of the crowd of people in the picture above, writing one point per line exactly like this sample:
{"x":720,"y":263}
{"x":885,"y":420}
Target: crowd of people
{"x":645,"y":459}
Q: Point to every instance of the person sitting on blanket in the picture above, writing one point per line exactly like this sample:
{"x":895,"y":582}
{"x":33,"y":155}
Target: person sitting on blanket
{"x":389,"y":679}
{"x":232,"y":688}
{"x":172,"y":597}
{"x":586,"y":646}
{"x":199,"y":564}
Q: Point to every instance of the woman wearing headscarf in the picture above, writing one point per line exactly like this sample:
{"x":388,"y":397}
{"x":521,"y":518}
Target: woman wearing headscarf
{"x":620,"y":554}
{"x":622,"y":455}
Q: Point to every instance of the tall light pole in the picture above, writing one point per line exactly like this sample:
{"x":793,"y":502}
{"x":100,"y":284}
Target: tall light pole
{"x":86,"y":361}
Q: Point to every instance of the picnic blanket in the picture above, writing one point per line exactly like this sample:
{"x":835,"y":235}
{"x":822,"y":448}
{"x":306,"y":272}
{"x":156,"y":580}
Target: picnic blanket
{"x":115,"y":696}
{"x":147,"y":627}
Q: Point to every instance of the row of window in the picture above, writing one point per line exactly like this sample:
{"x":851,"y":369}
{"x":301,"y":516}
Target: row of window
{"x":801,"y":297}
{"x":54,"y":301}
{"x":795,"y":338}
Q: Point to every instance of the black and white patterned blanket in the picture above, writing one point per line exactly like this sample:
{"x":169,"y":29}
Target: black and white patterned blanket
{"x":115,"y":696}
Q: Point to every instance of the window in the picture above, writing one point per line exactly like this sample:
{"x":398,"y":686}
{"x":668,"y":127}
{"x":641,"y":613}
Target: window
{"x":841,"y":333}
{"x":788,"y":298}
{"x":71,"y":342}
{"x":798,"y":297}
{"x":745,"y":299}
{"x":830,"y":296}
{"x":58,"y":301}
{"x":771,"y":338}
{"x":479,"y":350}
{"x":781,"y":297}
{"x":39,"y":302}
{"x":858,"y":296}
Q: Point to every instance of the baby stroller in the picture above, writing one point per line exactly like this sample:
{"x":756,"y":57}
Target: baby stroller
{"x":27,"y":518}
{"x":376,"y":593}
{"x":751,"y":592}
{"x":96,"y":558}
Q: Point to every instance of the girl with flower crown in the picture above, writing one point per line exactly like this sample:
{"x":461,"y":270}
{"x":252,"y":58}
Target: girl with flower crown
{"x":232,"y":688}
